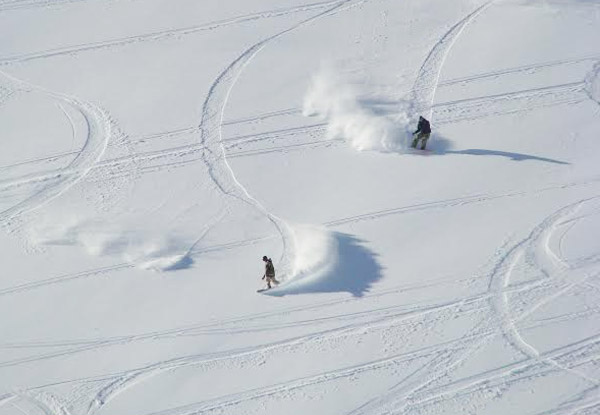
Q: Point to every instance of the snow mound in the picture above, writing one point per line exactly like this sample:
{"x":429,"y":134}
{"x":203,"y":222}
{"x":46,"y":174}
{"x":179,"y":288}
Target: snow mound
{"x":337,"y":101}
{"x":133,"y":244}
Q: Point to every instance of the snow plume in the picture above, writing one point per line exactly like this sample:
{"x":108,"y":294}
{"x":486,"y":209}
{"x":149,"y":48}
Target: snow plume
{"x":326,"y":261}
{"x":132,"y":244}
{"x":315,"y":251}
{"x":338,"y":102}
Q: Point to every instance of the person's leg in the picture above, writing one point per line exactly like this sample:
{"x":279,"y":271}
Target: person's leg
{"x":424,"y":141}
{"x":415,"y":140}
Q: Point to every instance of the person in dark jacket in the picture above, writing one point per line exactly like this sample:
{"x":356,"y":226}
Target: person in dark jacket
{"x":423,"y":132}
{"x":269,"y":272}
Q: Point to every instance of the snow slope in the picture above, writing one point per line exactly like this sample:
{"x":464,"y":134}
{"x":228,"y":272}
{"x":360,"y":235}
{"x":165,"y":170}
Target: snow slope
{"x":155,"y":150}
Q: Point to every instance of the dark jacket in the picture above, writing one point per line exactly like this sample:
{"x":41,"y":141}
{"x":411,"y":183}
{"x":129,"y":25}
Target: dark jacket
{"x":423,"y":126}
{"x":269,"y":268}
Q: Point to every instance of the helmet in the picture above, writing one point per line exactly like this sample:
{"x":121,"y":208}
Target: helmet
{"x":265,"y":258}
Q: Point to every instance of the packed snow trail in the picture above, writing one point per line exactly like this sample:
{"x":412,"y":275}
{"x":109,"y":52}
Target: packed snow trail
{"x":428,"y":79}
{"x":212,"y":141}
{"x":467,"y":281}
{"x":96,"y":140}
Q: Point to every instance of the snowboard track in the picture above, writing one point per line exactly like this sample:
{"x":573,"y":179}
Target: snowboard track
{"x":211,"y":125}
{"x":442,"y":204}
{"x":409,"y":394}
{"x":421,"y":388}
{"x":382,"y":319}
{"x":426,"y":83}
{"x":97,"y":137}
{"x":162,"y":35}
{"x":446,"y":112}
{"x":562,"y":276}
{"x":221,"y":173}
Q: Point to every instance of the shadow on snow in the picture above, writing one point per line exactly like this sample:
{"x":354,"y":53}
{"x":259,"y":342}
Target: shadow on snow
{"x":355,"y":271}
{"x":441,"y":146}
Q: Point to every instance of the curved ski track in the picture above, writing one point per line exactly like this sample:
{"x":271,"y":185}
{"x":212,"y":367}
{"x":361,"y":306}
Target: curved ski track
{"x":213,"y":151}
{"x":164,"y":34}
{"x":443,"y":358}
{"x":223,"y":177}
{"x":424,"y":387}
{"x":377,"y":320}
{"x":310,"y":136}
{"x":552,"y":266}
{"x":592,"y":83}
{"x":426,"y":83}
{"x":97,"y":137}
{"x":428,"y":386}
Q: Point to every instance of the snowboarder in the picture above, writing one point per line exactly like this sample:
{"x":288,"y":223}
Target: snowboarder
{"x":269,"y":272}
{"x":423,"y":132}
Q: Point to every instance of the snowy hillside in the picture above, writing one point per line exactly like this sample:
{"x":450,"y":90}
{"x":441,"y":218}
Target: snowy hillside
{"x":154,"y":150}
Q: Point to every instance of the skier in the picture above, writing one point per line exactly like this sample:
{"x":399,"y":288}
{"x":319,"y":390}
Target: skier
{"x":423,"y":132}
{"x":269,"y":272}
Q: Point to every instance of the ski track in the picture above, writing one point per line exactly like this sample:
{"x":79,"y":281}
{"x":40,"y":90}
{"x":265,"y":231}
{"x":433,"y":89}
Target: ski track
{"x":35,"y":404}
{"x":8,"y":5}
{"x":592,"y":83}
{"x":427,"y":80}
{"x":509,"y":373}
{"x":446,"y":112}
{"x":125,"y":380}
{"x":221,"y":173}
{"x":381,"y":317}
{"x":510,"y":103}
{"x":443,"y":204}
{"x":456,"y":202}
{"x":378,"y":317}
{"x":165,"y":34}
{"x":550,"y":267}
{"x":527,"y":70}
{"x":191,"y":152}
{"x":97,"y":136}
{"x":400,"y":398}
{"x":213,"y":151}
{"x":128,"y":379}
{"x":505,"y":374}
{"x":156,"y":160}
{"x":418,"y":389}
{"x":173,"y":151}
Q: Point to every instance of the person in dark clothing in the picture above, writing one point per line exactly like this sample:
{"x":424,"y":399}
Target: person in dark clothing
{"x":423,"y":132}
{"x":269,"y":272}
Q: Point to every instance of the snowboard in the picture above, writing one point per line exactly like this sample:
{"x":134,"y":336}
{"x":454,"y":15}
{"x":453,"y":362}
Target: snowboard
{"x":418,"y":151}
{"x":262,"y":290}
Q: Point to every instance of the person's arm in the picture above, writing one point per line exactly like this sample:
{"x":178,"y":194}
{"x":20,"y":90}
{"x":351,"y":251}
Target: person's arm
{"x":419,"y":126}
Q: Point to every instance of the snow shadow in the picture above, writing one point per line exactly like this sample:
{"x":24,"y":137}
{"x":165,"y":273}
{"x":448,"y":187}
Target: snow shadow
{"x":438,"y":145}
{"x":354,"y":270}
{"x":510,"y":155}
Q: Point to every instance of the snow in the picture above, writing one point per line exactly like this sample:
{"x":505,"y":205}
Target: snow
{"x":155,"y":150}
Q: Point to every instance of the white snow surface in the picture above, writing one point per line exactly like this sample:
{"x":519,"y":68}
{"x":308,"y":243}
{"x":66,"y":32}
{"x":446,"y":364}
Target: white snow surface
{"x":153,"y":151}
